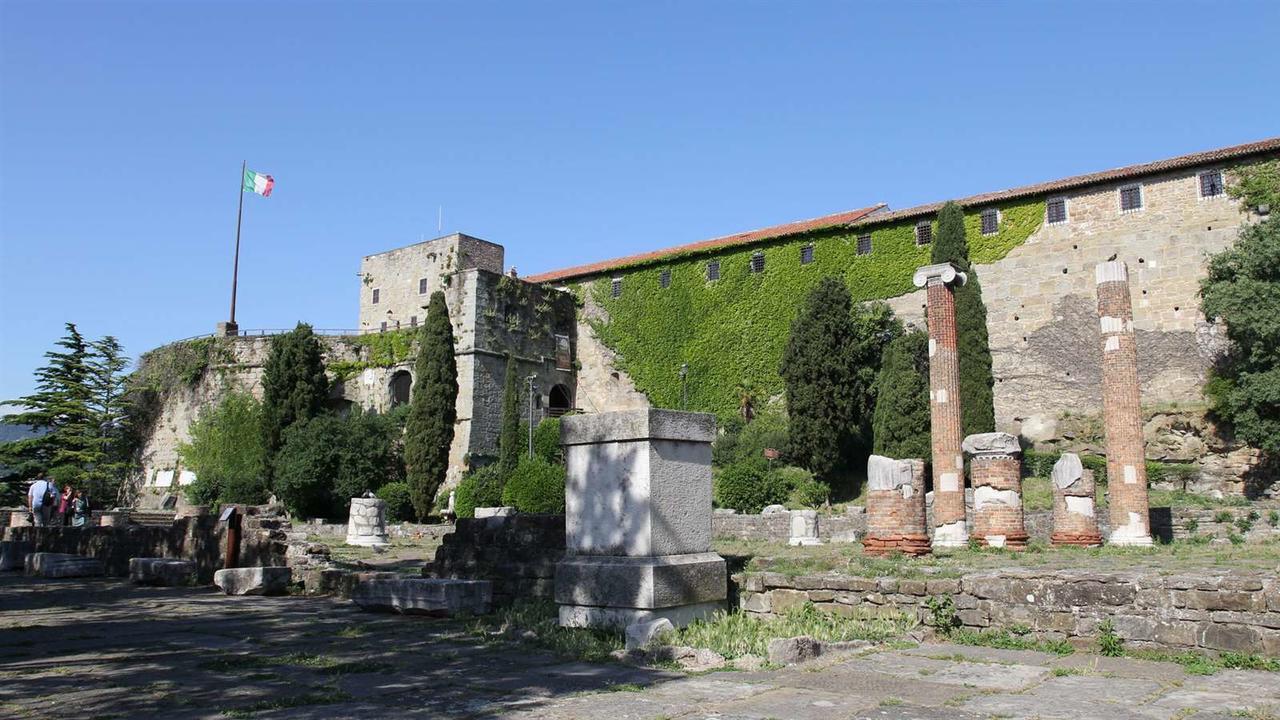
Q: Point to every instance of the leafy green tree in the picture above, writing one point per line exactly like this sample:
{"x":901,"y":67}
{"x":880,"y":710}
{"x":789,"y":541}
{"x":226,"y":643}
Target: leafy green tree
{"x":398,"y":499}
{"x":227,"y":454}
{"x":901,"y":425}
{"x":68,"y":443}
{"x":432,"y":411}
{"x":1256,"y":185}
{"x":509,"y":436}
{"x":749,"y":486}
{"x":1242,"y":289}
{"x":480,"y":488}
{"x":330,"y":459}
{"x":294,"y":386}
{"x":768,"y":429}
{"x":977,"y":401}
{"x":829,"y":367}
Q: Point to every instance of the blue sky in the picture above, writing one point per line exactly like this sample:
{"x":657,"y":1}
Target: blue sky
{"x":568,"y":132}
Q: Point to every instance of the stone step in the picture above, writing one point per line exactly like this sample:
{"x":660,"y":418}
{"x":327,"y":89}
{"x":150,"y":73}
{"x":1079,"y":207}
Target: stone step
{"x":254,"y":580}
{"x":424,"y":596}
{"x":62,"y":565}
{"x":168,"y":572}
{"x":152,"y":518}
{"x":13,"y":554}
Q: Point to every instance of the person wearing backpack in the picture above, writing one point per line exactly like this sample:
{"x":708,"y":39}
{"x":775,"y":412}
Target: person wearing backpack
{"x":42,"y":499}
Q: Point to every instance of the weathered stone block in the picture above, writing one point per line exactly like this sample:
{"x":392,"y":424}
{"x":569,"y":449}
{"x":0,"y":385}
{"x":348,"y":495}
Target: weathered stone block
{"x":641,"y":582}
{"x":13,"y":554}
{"x":425,"y":596}
{"x":62,"y":565}
{"x":784,"y":600}
{"x":254,"y":580}
{"x":789,"y":651}
{"x":166,"y":572}
{"x":757,"y":602}
{"x":1232,"y":638}
{"x":641,"y":634}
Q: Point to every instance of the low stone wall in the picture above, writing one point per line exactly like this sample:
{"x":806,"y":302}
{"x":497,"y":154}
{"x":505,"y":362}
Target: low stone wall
{"x":403,"y":531}
{"x":1234,"y":611}
{"x":777,"y":527}
{"x":517,"y":553}
{"x":201,"y":539}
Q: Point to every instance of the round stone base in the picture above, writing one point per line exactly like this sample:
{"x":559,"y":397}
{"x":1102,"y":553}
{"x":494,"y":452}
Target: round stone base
{"x":1012,"y":542}
{"x":369,"y":540}
{"x":1130,"y":540}
{"x":879,"y":545}
{"x":1076,"y":539}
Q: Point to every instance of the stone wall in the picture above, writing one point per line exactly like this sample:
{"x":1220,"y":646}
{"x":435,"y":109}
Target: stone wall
{"x":1207,"y":610}
{"x":777,"y":527}
{"x":401,"y":530}
{"x":517,"y":553}
{"x":397,"y":275}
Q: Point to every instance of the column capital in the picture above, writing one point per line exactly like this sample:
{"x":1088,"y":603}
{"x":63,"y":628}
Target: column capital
{"x":993,"y":443}
{"x":946,"y":273}
{"x":1111,"y":271}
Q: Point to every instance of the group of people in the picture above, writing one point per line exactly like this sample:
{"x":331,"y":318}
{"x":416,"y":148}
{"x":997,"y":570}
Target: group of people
{"x":50,"y":507}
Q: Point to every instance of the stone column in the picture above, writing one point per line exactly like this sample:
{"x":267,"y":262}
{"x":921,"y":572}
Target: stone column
{"x":1075,"y":521}
{"x":367,"y":525}
{"x":996,"y":470}
{"x":1121,"y":414}
{"x":944,"y":404}
{"x":638,"y":519}
{"x":895,"y":508}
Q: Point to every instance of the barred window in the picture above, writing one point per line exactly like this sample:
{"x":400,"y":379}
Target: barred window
{"x":924,"y":232}
{"x":806,"y":254}
{"x":757,"y":262}
{"x":990,"y":221}
{"x":1130,"y":198}
{"x":1055,"y":210}
{"x":615,"y":287}
{"x":664,"y":279}
{"x":422,"y":286}
{"x":1211,"y":183}
{"x":376,"y":295}
{"x":864,"y":244}
{"x":713,"y":270}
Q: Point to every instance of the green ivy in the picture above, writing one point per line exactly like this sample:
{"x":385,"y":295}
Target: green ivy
{"x":380,"y":350}
{"x":731,"y":332}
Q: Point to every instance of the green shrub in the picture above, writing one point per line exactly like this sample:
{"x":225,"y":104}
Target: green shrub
{"x":398,"y":499}
{"x":746,"y":442}
{"x":480,"y":488}
{"x":536,"y":486}
{"x":1223,"y":516}
{"x":546,"y":441}
{"x":329,"y":459}
{"x":803,"y":488}
{"x":1273,"y":518}
{"x":749,"y":486}
{"x":1109,"y":643}
{"x":227,"y":454}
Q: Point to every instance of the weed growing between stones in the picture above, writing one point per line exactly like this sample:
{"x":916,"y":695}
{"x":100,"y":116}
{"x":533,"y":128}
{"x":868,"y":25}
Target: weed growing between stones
{"x":736,"y":634}
{"x":1109,"y":643}
{"x":324,"y":696}
{"x":1006,"y":640}
{"x":1198,"y":663}
{"x":536,"y":622}
{"x":942,"y":614}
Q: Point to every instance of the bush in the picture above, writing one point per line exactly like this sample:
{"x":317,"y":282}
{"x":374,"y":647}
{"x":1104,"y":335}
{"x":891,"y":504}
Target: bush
{"x":546,"y":441}
{"x":803,"y":488}
{"x":227,"y":454}
{"x":330,"y":459}
{"x":536,"y":486}
{"x":398,"y":499}
{"x":746,"y":442}
{"x":480,"y":488}
{"x":749,"y":486}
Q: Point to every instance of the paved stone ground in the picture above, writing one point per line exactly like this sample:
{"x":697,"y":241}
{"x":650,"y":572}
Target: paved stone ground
{"x":103,"y":649}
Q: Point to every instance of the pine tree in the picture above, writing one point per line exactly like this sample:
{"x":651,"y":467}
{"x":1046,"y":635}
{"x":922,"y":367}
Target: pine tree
{"x":901,"y":425}
{"x":294,"y":385}
{"x":821,"y":378}
{"x":67,"y":445}
{"x":432,"y":410}
{"x":509,"y":437}
{"x":977,"y":402}
{"x":108,"y":405}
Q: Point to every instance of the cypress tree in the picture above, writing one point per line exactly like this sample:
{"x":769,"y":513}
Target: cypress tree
{"x":821,"y":379}
{"x":509,"y":437}
{"x":432,"y":410}
{"x":901,"y":424}
{"x":294,"y":385}
{"x":977,"y":403}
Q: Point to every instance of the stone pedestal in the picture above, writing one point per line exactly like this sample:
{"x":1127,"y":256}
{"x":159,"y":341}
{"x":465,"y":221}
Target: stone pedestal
{"x":804,"y":528}
{"x":1121,"y":414}
{"x":227,"y":329}
{"x":895,"y":508}
{"x":638,"y":519}
{"x":996,"y":470}
{"x":949,"y":529}
{"x":1075,"y":520}
{"x":367,"y":523}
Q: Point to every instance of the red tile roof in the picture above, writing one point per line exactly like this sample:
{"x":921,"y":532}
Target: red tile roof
{"x":877,"y":214}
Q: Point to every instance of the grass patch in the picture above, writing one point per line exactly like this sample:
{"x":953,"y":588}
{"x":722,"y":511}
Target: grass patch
{"x":1065,"y":671}
{"x":1006,"y":640}
{"x":323,"y":664}
{"x":541,"y":617}
{"x":736,"y":634}
{"x":1198,"y":663}
{"x":327,"y":696}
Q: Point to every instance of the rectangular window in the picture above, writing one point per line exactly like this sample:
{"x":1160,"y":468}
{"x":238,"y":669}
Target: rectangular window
{"x":384,"y":326}
{"x":664,"y":279}
{"x":1130,"y":198}
{"x":806,"y":254}
{"x":990,"y":221}
{"x":413,"y":321}
{"x":713,"y":270}
{"x":422,"y":286}
{"x":1055,"y":210}
{"x":1211,"y":183}
{"x":757,"y":262}
{"x":924,"y":232}
{"x":615,"y":287}
{"x":864,"y":244}
{"x":376,"y":294}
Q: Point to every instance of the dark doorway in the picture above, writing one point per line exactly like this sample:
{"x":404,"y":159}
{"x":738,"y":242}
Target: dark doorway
{"x":401,"y":385}
{"x":559,"y":401}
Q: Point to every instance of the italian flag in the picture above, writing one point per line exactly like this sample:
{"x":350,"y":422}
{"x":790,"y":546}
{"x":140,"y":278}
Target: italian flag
{"x":258,"y":183}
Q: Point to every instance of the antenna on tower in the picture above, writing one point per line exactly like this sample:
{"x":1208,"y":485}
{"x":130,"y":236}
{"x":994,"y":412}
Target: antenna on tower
{"x":440,"y":219}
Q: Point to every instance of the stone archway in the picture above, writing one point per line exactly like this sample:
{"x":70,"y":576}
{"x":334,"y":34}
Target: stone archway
{"x":559,"y":401}
{"x":400,"y":387}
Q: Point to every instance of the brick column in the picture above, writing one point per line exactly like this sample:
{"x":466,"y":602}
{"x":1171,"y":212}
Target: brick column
{"x":1121,"y":415}
{"x":996,"y":469}
{"x":1075,"y":520}
{"x":895,"y":508}
{"x":944,"y":404}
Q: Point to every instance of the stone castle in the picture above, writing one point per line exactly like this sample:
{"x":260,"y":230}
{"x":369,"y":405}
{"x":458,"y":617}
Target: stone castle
{"x":1162,"y":218}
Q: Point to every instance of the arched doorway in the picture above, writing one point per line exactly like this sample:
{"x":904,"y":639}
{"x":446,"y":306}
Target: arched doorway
{"x":401,"y":385}
{"x":559,"y":402}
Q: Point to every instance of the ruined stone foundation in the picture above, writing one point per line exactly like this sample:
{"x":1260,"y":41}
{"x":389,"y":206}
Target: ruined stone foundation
{"x":895,"y":508}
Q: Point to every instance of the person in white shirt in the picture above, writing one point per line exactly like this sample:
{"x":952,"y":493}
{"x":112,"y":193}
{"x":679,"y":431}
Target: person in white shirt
{"x":42,"y":499}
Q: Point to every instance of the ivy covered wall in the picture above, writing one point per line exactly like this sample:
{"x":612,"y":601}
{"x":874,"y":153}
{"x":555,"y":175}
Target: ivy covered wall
{"x":731,"y":331}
